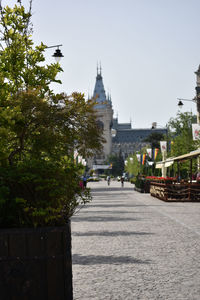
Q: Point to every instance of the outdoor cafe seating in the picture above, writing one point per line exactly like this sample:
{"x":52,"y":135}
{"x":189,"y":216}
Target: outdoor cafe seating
{"x":177,"y":189}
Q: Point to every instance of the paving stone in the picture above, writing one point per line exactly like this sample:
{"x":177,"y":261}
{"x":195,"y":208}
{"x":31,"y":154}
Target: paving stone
{"x":128,"y":245}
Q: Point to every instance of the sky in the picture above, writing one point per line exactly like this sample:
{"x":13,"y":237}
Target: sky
{"x":148,"y":49}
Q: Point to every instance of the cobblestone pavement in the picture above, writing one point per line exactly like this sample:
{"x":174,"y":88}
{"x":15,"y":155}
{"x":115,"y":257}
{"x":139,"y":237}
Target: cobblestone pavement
{"x":128,"y":246}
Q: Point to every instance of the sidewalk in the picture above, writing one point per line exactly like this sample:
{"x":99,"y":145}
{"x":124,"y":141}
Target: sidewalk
{"x":128,"y":246}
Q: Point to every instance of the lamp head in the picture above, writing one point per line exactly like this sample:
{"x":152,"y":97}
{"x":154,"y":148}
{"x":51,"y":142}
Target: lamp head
{"x":58,"y":54}
{"x":180,"y":104}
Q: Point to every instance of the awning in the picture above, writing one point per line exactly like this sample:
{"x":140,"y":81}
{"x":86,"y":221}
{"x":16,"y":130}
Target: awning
{"x":167,"y":163}
{"x":188,"y":155}
{"x":159,"y":165}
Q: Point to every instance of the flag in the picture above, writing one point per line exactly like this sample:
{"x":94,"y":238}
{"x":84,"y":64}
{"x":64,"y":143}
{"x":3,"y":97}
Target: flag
{"x":155,"y":152}
{"x":138,"y":157}
{"x":79,"y":159}
{"x":163,"y":146}
{"x":75,"y":154}
{"x":143,"y":156}
{"x":149,"y":152}
{"x":196,"y":132}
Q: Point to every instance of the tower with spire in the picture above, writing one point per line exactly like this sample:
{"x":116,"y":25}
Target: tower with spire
{"x":103,"y":108}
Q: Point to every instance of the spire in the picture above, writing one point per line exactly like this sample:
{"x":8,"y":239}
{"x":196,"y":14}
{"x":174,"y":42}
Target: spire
{"x":97,"y":68}
{"x":198,"y":71}
{"x":99,"y":92}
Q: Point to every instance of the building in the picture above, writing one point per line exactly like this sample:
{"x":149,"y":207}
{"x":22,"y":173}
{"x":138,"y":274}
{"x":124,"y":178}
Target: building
{"x":120,"y":137}
{"x":104,"y":112}
{"x":129,"y":140}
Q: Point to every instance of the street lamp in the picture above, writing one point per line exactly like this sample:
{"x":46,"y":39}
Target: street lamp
{"x":196,"y":100}
{"x":57,"y":54}
{"x":180,"y":103}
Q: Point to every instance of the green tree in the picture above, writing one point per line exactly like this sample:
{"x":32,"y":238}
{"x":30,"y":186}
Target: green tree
{"x":39,"y":181}
{"x":154,"y":139}
{"x":117,"y":162}
{"x":180,"y":133}
{"x":133,"y":165}
{"x":22,"y":65}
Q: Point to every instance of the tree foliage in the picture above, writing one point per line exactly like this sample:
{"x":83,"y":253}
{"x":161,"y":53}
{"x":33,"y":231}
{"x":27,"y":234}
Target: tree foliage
{"x":154,"y":139}
{"x":133,"y":165}
{"x":21,"y":62}
{"x":180,"y":133}
{"x":39,"y":181}
{"x":117,"y":162}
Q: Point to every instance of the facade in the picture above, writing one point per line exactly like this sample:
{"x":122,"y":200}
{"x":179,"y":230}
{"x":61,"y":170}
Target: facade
{"x":129,"y":140}
{"x":119,"y":137}
{"x":104,"y":112}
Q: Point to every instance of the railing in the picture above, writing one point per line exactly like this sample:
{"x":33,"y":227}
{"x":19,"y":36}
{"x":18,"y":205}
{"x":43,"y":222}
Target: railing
{"x":175,"y":191}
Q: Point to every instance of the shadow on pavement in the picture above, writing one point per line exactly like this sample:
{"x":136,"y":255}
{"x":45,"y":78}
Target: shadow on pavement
{"x":111,"y":189}
{"x":102,"y":219}
{"x":110,"y":233}
{"x":100,"y":259}
{"x":131,"y":206}
{"x":109,"y":212}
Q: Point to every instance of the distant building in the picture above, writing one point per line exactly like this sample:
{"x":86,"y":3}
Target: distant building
{"x":128,"y":140}
{"x":104,"y":111}
{"x":119,"y":136}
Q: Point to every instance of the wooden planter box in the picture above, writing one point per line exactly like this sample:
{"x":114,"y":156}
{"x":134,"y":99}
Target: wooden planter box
{"x":176,"y":192}
{"x":36,"y":264}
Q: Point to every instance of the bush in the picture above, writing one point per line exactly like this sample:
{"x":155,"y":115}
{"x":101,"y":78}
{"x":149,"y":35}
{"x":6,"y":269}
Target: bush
{"x":132,"y":180}
{"x":39,"y":193}
{"x":142,"y":183}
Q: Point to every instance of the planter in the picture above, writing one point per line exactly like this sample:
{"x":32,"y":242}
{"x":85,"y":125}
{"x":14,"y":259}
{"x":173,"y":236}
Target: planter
{"x":176,"y":192}
{"x":143,"y":186}
{"x":138,"y":190}
{"x":36,"y":263}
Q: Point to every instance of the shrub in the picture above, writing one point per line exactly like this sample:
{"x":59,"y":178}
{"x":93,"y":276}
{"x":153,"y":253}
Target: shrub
{"x":38,"y":193}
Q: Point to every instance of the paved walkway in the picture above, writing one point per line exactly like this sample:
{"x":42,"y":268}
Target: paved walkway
{"x":129,"y":246}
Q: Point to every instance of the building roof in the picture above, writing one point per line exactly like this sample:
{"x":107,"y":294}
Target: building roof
{"x":120,"y":126}
{"x":135,"y":135}
{"x":99,"y":93}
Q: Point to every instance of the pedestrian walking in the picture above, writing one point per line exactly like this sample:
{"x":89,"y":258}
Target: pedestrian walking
{"x":84,"y":181}
{"x":81,"y":184}
{"x":122,"y":181}
{"x":108,"y":180}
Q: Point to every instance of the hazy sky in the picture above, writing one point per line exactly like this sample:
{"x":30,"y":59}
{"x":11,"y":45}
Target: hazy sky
{"x":149,"y":51}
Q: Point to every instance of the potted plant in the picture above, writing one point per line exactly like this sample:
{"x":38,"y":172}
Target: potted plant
{"x":39,"y":179}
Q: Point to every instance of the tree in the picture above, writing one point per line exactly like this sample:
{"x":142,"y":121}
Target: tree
{"x":21,"y":63}
{"x":133,"y":165}
{"x":117,"y":162}
{"x":39,"y":181}
{"x":180,"y":133}
{"x":154,"y":139}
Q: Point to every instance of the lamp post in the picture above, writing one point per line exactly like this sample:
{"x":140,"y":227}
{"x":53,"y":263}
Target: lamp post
{"x":57,"y":54}
{"x":196,"y":100}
